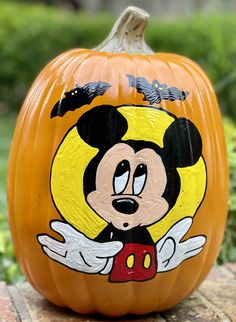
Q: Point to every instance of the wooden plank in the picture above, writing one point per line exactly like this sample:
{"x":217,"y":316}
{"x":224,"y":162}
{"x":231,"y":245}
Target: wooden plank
{"x":8,"y":312}
{"x":231,"y":267}
{"x":223,"y":295}
{"x":19,"y":303}
{"x":220,"y":290}
{"x":195,"y":308}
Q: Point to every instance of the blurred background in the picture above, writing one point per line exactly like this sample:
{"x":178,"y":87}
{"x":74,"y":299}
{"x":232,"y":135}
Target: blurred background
{"x":33,"y":32}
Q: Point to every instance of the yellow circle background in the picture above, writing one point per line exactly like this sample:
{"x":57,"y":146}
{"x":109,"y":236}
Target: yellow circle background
{"x":73,"y":156}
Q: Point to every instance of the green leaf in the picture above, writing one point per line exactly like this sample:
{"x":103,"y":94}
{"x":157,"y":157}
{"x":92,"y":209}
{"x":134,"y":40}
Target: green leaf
{"x":2,"y":243}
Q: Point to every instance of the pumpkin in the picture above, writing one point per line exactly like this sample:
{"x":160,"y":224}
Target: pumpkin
{"x":118,"y":183}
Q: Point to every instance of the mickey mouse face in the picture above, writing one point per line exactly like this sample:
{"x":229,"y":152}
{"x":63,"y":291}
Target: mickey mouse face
{"x":129,"y":187}
{"x":133,"y":183}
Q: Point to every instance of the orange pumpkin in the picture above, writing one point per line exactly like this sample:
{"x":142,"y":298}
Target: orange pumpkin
{"x":118,"y":181}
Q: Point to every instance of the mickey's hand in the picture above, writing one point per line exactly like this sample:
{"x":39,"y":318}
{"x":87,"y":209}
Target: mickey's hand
{"x":171,"y":251}
{"x":79,"y":252}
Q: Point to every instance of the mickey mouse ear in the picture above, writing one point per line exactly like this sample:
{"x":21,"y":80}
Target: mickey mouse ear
{"x":183,"y":143}
{"x":102,"y":126}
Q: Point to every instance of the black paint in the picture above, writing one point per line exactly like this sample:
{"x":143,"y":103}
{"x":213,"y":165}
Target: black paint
{"x":104,"y":126}
{"x":125,"y":205}
{"x":79,"y":96}
{"x":139,"y":235}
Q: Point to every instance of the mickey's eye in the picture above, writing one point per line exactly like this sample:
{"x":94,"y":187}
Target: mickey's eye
{"x":121,"y":176}
{"x":140,"y":177}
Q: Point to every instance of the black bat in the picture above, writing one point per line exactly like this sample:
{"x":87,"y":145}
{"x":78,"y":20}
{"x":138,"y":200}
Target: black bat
{"x":79,"y":96}
{"x":156,"y":92}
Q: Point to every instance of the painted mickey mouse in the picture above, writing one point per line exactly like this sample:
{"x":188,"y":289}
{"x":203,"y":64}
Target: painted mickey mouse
{"x":131,"y":184}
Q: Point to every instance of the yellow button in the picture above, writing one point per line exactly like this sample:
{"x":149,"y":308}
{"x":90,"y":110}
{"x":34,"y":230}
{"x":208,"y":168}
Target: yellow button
{"x":130,"y":261}
{"x":147,"y":261}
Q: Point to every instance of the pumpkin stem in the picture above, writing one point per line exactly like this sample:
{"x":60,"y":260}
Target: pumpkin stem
{"x":127,"y":33}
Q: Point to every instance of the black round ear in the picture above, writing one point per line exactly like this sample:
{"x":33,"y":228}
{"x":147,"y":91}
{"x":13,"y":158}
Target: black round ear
{"x":102,"y":126}
{"x":182,"y":143}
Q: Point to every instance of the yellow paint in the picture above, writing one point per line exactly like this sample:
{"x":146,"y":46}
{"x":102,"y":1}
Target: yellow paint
{"x":74,"y":155}
{"x":68,"y":168}
{"x":146,"y":124}
{"x":130,"y":261}
{"x":147,"y":261}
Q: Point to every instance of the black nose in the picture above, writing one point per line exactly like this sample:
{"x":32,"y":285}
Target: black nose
{"x":125,"y":205}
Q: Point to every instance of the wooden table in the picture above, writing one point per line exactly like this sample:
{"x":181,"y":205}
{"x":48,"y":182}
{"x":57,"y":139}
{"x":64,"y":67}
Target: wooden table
{"x":215,"y":300}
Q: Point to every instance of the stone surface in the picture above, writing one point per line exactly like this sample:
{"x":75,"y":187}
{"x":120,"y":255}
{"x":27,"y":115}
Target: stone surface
{"x":214,"y":301}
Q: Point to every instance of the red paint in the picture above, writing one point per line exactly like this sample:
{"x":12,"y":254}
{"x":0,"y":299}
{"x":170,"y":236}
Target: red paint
{"x":122,"y":273}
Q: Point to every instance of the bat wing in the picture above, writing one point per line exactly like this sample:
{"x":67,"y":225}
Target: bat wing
{"x":79,"y":96}
{"x":176,"y":94}
{"x":165,"y":94}
{"x":60,"y":108}
{"x":144,"y":87}
{"x":94,"y":89}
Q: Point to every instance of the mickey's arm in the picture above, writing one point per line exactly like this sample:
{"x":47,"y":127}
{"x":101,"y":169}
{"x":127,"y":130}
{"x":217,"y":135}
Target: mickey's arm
{"x":172,"y":251}
{"x":78,"y":251}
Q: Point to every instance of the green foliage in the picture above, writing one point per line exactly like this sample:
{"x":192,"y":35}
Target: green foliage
{"x":7,"y":124}
{"x":209,"y":40}
{"x":9,"y":270}
{"x":228,"y":250}
{"x":30,"y":36}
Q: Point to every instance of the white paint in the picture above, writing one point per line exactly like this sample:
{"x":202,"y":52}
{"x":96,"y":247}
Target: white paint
{"x":120,"y":182}
{"x":79,"y":252}
{"x":139,"y":184}
{"x":85,"y":255}
{"x":171,"y":251}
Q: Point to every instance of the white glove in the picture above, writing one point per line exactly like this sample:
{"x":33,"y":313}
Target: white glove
{"x":79,"y":252}
{"x":171,"y":251}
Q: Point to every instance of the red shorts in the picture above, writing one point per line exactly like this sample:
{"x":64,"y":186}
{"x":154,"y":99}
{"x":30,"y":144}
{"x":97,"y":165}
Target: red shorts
{"x":135,"y":262}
